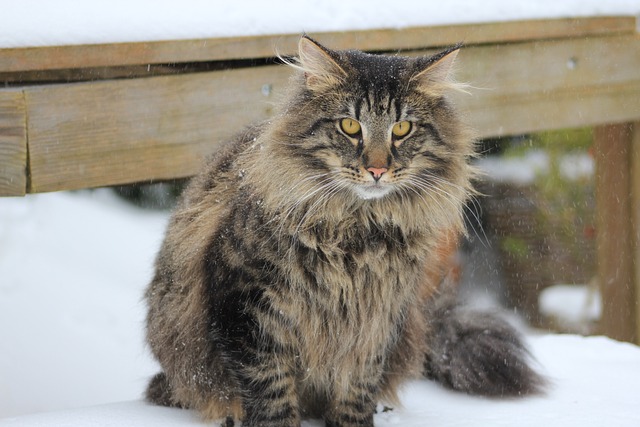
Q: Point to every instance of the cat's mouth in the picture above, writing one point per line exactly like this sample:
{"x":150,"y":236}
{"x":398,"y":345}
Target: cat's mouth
{"x":372,"y":190}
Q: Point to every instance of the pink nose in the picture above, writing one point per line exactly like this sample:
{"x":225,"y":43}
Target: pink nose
{"x":377,"y":172}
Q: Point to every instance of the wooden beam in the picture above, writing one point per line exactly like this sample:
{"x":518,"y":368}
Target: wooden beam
{"x":13,"y":143}
{"x":528,"y":87}
{"x":522,"y":114}
{"x":113,"y":132}
{"x":614,"y":207}
{"x":223,"y":49}
{"x":635,"y":219}
{"x":535,"y":86}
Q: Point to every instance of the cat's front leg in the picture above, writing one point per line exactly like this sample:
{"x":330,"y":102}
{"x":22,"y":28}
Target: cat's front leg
{"x":356,"y":407}
{"x":268,"y":377}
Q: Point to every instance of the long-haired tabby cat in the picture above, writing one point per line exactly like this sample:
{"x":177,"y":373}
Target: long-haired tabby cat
{"x":299,"y":273}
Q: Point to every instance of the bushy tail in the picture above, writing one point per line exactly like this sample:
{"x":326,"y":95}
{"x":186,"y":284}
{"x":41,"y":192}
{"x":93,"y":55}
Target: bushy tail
{"x":478,"y":353}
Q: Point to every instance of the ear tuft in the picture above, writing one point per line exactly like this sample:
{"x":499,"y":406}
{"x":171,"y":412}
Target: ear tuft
{"x":320,"y":67}
{"x":436,"y":76}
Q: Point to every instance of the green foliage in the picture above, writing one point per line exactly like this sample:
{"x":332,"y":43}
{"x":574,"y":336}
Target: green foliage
{"x":516,"y":247}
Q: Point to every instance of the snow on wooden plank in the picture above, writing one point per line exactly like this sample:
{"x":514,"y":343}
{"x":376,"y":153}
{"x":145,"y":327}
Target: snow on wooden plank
{"x":13,"y":144}
{"x":65,"y":22}
{"x":264,"y":46}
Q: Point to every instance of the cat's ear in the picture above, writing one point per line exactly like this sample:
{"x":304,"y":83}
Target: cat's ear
{"x":434,"y":74}
{"x":321,"y":71}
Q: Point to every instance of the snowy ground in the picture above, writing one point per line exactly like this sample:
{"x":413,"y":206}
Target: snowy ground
{"x":61,"y":22}
{"x":595,"y":385}
{"x":72,"y":271}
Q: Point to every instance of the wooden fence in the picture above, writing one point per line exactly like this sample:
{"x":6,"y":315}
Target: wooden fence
{"x":95,"y":115}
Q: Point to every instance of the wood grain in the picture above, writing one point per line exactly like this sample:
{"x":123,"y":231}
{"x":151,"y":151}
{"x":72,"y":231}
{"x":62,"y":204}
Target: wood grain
{"x":113,"y":132}
{"x":613,"y":146}
{"x":528,"y":87}
{"x":221,"y":49}
{"x":635,"y":220}
{"x":13,"y":144}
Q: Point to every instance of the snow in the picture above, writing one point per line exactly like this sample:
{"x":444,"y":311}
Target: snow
{"x":65,"y":22}
{"x":571,"y":304}
{"x":72,"y":270}
{"x":73,"y":267}
{"x":594,"y":384}
{"x":519,"y":170}
{"x":524,"y":169}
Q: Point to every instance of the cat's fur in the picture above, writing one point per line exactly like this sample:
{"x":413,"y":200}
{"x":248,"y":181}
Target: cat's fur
{"x":299,"y":273}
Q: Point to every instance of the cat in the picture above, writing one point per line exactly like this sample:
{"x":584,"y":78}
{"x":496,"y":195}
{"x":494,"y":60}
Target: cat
{"x":301,"y":272}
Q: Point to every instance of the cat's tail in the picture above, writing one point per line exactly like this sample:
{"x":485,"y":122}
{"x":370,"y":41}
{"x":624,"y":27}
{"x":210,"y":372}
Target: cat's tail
{"x":478,"y":353}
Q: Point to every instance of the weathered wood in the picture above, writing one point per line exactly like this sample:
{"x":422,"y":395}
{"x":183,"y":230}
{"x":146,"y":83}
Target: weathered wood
{"x":105,"y":133}
{"x":635,"y":219}
{"x":13,"y":144}
{"x":613,"y":147}
{"x":111,"y":132}
{"x":217,"y":49}
{"x":528,"y":87}
{"x":589,"y":106}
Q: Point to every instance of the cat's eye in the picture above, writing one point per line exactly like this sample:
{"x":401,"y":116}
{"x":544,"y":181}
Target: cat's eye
{"x":401,"y":129}
{"x":350,"y":126}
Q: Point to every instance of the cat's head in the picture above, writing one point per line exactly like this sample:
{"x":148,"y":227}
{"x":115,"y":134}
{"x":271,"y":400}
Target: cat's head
{"x":376,"y":125}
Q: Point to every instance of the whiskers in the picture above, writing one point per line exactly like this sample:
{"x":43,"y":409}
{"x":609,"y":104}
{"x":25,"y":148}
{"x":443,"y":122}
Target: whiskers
{"x":443,"y":196}
{"x":303,"y":201}
{"x":310,"y":203}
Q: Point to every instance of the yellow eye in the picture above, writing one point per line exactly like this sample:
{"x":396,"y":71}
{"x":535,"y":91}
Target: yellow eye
{"x":401,"y":129}
{"x":350,"y":126}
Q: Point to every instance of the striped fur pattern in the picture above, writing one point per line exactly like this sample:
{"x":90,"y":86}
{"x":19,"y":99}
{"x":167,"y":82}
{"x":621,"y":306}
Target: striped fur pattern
{"x":299,"y":273}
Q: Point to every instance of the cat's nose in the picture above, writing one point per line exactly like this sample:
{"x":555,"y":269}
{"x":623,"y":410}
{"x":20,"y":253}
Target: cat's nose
{"x":377,"y":172}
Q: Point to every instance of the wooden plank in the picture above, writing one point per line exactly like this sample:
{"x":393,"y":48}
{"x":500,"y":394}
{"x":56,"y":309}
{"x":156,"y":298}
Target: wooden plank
{"x":219,"y":49}
{"x":103,"y":133}
{"x":528,"y":87}
{"x":548,"y":66}
{"x":614,"y":235}
{"x":13,"y":144}
{"x":591,"y":106}
{"x":635,"y":219}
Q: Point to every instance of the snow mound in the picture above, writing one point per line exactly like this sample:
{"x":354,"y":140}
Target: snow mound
{"x":576,"y":308}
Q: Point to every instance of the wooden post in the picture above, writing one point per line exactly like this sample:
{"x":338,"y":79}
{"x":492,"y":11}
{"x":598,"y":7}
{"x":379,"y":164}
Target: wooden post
{"x":635,"y":218}
{"x":13,"y":143}
{"x":615,"y":216}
